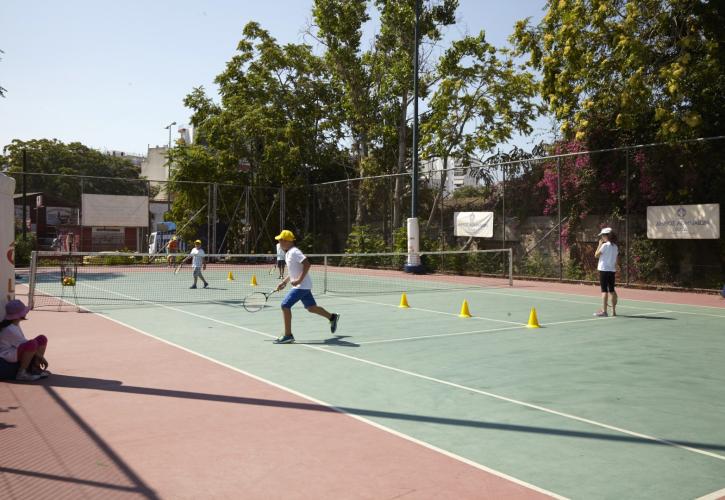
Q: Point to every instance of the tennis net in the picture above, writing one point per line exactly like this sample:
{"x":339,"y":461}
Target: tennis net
{"x":89,"y":279}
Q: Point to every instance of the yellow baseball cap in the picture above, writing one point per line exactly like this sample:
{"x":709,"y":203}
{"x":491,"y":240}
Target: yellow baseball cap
{"x":285,"y":235}
{"x":197,"y":241}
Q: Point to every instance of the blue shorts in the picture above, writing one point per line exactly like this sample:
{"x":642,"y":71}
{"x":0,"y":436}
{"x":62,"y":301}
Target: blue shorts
{"x":297,"y":294}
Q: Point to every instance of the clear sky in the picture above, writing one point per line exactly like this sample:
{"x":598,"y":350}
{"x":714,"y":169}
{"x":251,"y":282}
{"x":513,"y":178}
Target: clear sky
{"x":112,"y":75}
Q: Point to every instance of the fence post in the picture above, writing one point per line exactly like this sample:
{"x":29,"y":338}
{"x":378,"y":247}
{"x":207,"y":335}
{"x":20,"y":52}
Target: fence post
{"x":558,"y":201}
{"x":503,"y":207}
{"x":214,"y":221}
{"x":282,"y":207}
{"x":25,"y":194}
{"x":626,"y":217}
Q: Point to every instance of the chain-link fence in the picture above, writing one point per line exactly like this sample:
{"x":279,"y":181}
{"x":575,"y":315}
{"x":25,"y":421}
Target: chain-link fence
{"x":549,"y":210}
{"x":227,"y":218}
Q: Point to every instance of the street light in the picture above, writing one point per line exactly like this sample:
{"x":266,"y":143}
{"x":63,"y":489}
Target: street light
{"x":168,"y":178}
{"x":168,"y":127}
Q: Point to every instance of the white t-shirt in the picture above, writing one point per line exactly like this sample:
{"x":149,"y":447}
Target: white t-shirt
{"x":10,"y":338}
{"x":608,"y":257}
{"x":197,"y":258}
{"x":280,"y":252}
{"x":294,"y":258}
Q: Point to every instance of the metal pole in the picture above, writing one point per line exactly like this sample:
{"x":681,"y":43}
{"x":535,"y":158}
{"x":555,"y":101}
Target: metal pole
{"x":558,"y":201}
{"x":414,"y":190}
{"x":25,"y":194}
{"x":248,"y":222}
{"x":282,"y":207}
{"x":208,"y":215}
{"x":503,"y":209}
{"x":80,"y":223}
{"x":626,"y":218}
{"x":214,"y":221}
{"x":349,"y":228}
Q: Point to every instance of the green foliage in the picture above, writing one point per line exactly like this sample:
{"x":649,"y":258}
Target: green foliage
{"x":536,"y":265}
{"x":648,"y":262}
{"x":472,"y":192}
{"x":55,"y":157}
{"x":365,"y":239}
{"x":23,"y":249}
{"x":635,"y":69}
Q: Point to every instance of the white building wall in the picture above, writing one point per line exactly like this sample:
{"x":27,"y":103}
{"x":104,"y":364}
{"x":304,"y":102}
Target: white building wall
{"x":455,"y":178}
{"x":154,"y":168}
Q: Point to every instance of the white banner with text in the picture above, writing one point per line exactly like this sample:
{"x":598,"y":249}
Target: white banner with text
{"x":684,"y":222}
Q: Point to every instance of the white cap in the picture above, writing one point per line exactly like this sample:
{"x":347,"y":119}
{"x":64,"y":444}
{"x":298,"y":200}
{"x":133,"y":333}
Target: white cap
{"x":606,"y":230}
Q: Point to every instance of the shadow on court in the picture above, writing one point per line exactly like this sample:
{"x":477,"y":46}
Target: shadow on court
{"x":643,"y":317}
{"x":43,"y":426}
{"x":74,"y":382}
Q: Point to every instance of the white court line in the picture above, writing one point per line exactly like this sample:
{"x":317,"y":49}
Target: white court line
{"x":473,"y":332}
{"x":319,"y":401}
{"x":449,"y":384}
{"x":535,"y":296}
{"x":517,"y":323}
{"x":715,"y":495}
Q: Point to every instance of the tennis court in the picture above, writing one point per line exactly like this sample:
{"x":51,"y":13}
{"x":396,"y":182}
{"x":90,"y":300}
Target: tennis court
{"x":619,"y":407}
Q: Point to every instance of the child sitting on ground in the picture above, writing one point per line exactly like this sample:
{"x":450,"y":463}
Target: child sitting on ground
{"x":15,"y":348}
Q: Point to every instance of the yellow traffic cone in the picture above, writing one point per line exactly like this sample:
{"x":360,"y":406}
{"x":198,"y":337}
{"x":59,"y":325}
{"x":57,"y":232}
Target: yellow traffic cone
{"x":254,"y":281}
{"x":404,"y":301}
{"x":230,"y":276}
{"x":465,"y":313}
{"x":533,"y":320}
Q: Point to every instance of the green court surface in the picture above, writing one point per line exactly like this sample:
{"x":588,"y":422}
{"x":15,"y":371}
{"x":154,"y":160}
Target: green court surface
{"x":625,"y":407}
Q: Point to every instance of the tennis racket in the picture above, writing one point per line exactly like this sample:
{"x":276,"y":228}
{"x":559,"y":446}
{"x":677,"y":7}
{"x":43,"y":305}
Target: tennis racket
{"x":256,"y":301}
{"x":178,"y":267}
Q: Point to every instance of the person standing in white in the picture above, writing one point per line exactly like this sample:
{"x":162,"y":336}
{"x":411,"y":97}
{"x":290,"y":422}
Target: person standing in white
{"x":607,"y":252}
{"x":280,"y":260}
{"x":197,"y":263}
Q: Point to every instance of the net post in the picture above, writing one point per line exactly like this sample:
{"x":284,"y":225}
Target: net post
{"x":31,"y":278}
{"x":413,"y":265}
{"x":511,"y":267}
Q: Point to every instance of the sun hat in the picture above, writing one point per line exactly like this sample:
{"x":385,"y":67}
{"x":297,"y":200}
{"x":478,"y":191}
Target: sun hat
{"x":285,"y":235}
{"x":606,"y":230}
{"x":15,"y":309}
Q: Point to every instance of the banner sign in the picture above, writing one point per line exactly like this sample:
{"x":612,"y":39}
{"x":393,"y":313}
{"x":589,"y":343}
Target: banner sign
{"x":684,"y":222}
{"x":114,"y":210}
{"x":477,"y":224}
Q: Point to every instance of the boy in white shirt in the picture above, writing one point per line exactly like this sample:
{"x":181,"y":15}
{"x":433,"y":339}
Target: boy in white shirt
{"x":197,"y":263}
{"x":301,"y":282}
{"x":280,"y":260}
{"x":607,"y":252}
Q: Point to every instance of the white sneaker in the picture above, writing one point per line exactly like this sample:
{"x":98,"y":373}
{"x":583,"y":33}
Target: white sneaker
{"x":26,"y":377}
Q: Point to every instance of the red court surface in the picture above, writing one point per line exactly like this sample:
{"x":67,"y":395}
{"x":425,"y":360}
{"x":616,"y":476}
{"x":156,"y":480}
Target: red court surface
{"x":127,"y":416}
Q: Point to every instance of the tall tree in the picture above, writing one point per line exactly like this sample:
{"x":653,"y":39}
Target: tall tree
{"x":339,"y":29}
{"x":480,"y":102}
{"x":278,"y":112}
{"x":392,"y":66}
{"x":632,"y":68}
{"x":73,"y":159}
